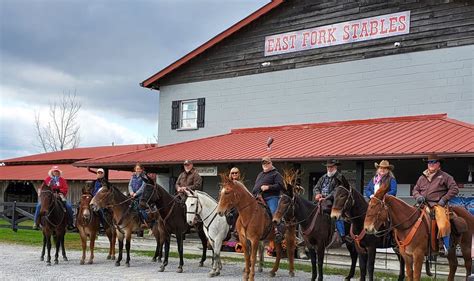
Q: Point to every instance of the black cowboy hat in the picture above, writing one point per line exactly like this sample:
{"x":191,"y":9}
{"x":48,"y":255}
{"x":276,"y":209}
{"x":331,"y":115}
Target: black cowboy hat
{"x":433,"y":157}
{"x":332,"y":162}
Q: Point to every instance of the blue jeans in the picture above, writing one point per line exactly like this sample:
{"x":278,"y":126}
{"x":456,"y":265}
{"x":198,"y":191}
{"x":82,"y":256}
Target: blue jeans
{"x":340,"y":228}
{"x":70,"y":213}
{"x":272,"y":203}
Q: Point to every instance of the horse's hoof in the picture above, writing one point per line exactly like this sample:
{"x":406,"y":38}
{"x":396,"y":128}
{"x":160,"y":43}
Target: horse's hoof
{"x":179,"y":270}
{"x":48,"y":263}
{"x":292,"y":274}
{"x":159,"y":260}
{"x":162,"y":268}
{"x":260,"y":269}
{"x":201,"y":264}
{"x":153,"y":259}
{"x":65,"y":259}
{"x":56,"y":261}
{"x":117,"y":263}
{"x":109,"y":257}
{"x":90,"y":262}
{"x":113,"y":258}
{"x":42,"y":259}
{"x":271,"y":274}
{"x":211,"y":274}
{"x":127,"y":264}
{"x":82,"y":262}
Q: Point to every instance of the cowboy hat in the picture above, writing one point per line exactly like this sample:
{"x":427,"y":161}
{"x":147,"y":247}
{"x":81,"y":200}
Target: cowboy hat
{"x":100,"y":170}
{"x":187,"y":162}
{"x":332,"y":162}
{"x":54,"y":168}
{"x":266,"y":159}
{"x":384,"y":164}
{"x":433,"y":157}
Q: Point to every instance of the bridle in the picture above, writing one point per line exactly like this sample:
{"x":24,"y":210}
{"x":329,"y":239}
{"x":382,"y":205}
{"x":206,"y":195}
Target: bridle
{"x":87,"y":196}
{"x":391,"y":227}
{"x":51,"y":209}
{"x":349,"y":203}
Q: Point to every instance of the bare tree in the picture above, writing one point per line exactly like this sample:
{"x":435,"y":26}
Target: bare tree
{"x":61,"y":131}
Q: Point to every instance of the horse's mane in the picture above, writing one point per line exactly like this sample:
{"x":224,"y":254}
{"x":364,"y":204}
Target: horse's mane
{"x":206,"y":195}
{"x":383,"y":189}
{"x":226,"y":181}
{"x":290,"y":178}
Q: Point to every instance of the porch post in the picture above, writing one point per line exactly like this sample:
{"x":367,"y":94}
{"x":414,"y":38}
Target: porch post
{"x":360,"y":176}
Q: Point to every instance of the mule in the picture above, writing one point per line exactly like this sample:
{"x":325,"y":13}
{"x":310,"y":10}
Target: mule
{"x":53,"y":219}
{"x":173,"y":213}
{"x":253,"y":225}
{"x":201,"y":206}
{"x":351,"y":205}
{"x":412,"y":232}
{"x":88,"y":223}
{"x":126,"y":220}
{"x":317,"y":227}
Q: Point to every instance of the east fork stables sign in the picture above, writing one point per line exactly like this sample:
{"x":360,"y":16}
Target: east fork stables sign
{"x":339,"y":33}
{"x":206,"y":171}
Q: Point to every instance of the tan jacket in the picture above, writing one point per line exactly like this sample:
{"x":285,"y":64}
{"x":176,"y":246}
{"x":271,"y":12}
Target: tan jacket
{"x":441,"y":186}
{"x":191,"y":180}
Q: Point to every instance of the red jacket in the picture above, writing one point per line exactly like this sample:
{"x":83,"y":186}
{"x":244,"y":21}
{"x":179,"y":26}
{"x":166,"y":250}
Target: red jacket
{"x":61,"y":185}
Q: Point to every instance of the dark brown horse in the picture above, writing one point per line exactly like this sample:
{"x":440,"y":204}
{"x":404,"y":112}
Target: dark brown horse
{"x":88,"y":223}
{"x":173,"y":213}
{"x":53,"y":219}
{"x":351,"y":205}
{"x":126,"y":219}
{"x":317,"y":227}
{"x":253,"y":225}
{"x":412,"y":232}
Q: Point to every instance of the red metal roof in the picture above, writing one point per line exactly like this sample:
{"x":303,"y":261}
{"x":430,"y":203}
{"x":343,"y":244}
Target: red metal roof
{"x":397,"y":137}
{"x":71,"y":155}
{"x":218,"y":38}
{"x":40,"y":172}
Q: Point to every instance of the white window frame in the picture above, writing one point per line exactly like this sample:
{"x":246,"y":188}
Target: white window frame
{"x":181,"y":115}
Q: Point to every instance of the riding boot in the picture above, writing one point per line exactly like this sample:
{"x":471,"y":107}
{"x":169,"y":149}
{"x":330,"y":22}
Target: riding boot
{"x":278,"y":233}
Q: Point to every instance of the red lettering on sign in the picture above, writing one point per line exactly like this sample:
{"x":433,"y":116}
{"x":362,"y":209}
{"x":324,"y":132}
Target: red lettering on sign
{"x":285,"y":43}
{"x":363,"y":31}
{"x":331,"y":37}
{"x":314,"y":37}
{"x":402,"y":20}
{"x":393,"y":24}
{"x":355,"y":26}
{"x":270,"y":45}
{"x":292,"y":39}
{"x":278,"y":44}
{"x":373,"y":28}
{"x":346,"y":32}
{"x":382,"y":31}
{"x":322,"y":36}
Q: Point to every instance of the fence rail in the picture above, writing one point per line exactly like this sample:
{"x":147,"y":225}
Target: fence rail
{"x":13,"y":210}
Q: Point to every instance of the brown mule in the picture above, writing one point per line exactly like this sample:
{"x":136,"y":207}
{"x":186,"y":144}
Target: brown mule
{"x":412,"y":233}
{"x":53,"y":219}
{"x":88,"y":223}
{"x":125,"y":220}
{"x":253,"y":225}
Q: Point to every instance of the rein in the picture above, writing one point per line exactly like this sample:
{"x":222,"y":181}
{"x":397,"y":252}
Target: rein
{"x":50,"y":210}
{"x":393,"y":227}
{"x":344,"y":208}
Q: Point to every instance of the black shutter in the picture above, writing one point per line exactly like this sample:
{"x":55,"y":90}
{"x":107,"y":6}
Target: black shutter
{"x":175,"y":115}
{"x":201,"y":111}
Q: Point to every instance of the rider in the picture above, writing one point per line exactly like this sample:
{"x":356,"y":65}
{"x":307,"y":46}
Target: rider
{"x":383,"y":169}
{"x":325,"y":190}
{"x":435,"y":188}
{"x":96,"y":185}
{"x":58,"y":184}
{"x":269,"y":183}
{"x":136,"y":186}
{"x":188,"y":179}
{"x":233,"y":214}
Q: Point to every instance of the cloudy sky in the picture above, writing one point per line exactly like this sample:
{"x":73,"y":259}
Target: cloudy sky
{"x":102,"y":49}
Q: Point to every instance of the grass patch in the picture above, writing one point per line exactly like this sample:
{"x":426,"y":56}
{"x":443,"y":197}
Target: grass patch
{"x":73,"y":242}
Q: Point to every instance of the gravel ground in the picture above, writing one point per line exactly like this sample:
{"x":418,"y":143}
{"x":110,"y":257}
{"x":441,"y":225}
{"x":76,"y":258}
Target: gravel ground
{"x":22,"y":263}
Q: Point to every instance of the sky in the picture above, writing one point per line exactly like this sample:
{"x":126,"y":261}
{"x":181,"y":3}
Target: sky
{"x":102,"y":50}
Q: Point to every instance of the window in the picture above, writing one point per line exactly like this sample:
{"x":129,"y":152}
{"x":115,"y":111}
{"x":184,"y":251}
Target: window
{"x":187,"y":114}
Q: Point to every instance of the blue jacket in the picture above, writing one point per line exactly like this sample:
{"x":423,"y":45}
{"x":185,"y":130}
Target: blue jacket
{"x":137,"y":184}
{"x":369,"y":189}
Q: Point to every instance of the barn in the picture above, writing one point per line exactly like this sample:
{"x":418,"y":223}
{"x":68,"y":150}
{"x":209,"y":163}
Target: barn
{"x":354,"y":80}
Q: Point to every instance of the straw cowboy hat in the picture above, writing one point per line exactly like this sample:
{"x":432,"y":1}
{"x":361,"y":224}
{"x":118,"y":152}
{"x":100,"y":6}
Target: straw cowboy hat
{"x":433,"y":157}
{"x":384,"y":164}
{"x":332,"y":162}
{"x":54,"y":168}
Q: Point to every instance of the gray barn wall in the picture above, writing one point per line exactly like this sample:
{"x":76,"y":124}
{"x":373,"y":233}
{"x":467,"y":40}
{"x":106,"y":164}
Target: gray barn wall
{"x":436,"y":81}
